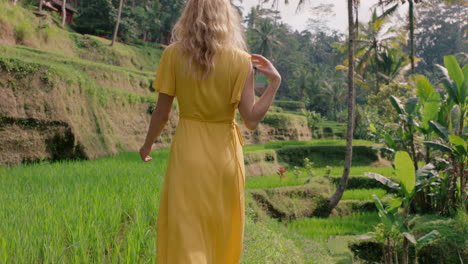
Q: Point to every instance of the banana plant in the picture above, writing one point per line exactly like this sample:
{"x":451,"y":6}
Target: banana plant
{"x":455,"y":82}
{"x":456,"y":150}
{"x":395,"y":217}
{"x":414,"y":116}
{"x":391,"y":228}
{"x":403,"y":137}
{"x":427,"y":108}
{"x":409,"y":122}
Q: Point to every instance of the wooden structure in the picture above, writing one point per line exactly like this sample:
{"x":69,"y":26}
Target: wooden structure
{"x":56,"y":5}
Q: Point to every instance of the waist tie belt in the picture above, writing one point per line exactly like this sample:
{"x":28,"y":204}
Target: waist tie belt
{"x":232,"y":122}
{"x":240,"y":180}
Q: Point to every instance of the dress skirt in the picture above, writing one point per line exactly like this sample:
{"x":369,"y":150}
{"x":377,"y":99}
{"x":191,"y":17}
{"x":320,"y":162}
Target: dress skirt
{"x":201,"y":210}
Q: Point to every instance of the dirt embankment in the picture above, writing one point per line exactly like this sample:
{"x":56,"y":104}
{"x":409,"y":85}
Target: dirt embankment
{"x":65,"y":95}
{"x":44,"y":116}
{"x":265,"y":133}
{"x":48,"y":115}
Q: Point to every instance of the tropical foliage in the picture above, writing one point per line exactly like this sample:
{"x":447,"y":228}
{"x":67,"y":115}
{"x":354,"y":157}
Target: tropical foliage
{"x":403,"y":85}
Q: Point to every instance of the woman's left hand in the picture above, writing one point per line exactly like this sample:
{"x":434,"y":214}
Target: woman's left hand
{"x":144,"y":153}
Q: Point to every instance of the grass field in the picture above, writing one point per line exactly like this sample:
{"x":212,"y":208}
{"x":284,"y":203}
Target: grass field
{"x":100,"y":211}
{"x":323,"y":228}
{"x":362,"y":194}
{"x":321,"y":142}
{"x":81,"y":212}
{"x":270,"y":181}
{"x":104,"y":211}
{"x":42,"y":33}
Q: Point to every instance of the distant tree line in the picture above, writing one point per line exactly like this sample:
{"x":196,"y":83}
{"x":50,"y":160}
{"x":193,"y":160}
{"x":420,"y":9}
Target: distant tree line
{"x":141,"y":20}
{"x":308,"y":60}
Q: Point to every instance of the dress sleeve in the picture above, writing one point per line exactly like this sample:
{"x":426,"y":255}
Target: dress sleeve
{"x":242,"y":64}
{"x":165,"y":76}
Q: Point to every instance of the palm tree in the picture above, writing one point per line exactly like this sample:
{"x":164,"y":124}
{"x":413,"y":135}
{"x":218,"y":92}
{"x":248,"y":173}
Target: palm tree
{"x":301,"y":80}
{"x":411,"y":30}
{"x":254,"y":15}
{"x":336,"y":197}
{"x":116,"y":29}
{"x":411,"y":23}
{"x":257,"y":13}
{"x":335,"y":92}
{"x":300,"y":3}
{"x":265,"y":38}
{"x":392,"y":63}
{"x":372,"y":39}
{"x":356,"y":3}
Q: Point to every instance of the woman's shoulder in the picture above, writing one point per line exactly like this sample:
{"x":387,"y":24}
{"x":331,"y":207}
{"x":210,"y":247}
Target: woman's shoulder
{"x":174,"y":50}
{"x":172,"y":46}
{"x":237,"y":53}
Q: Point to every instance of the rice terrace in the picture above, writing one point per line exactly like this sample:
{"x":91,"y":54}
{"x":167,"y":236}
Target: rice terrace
{"x":361,"y":158}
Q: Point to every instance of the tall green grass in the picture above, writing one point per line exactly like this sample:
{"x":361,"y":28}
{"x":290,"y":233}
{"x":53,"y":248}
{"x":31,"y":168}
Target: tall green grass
{"x":263,"y":243}
{"x":33,"y":31}
{"x":362,"y":194}
{"x":101,"y":211}
{"x":105,"y":211}
{"x":270,"y":181}
{"x":71,"y":74}
{"x":280,"y":144}
{"x":322,"y":228}
{"x":81,"y":212}
{"x":42,"y":33}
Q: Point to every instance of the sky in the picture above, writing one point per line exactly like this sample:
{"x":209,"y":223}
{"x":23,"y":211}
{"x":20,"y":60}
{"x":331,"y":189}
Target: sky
{"x":299,"y":20}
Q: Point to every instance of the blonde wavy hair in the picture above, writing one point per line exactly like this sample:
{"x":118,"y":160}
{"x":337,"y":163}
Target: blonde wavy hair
{"x":204,"y":28}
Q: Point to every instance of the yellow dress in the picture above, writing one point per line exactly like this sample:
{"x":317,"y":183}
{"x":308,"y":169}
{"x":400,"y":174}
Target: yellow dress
{"x":201,"y":210}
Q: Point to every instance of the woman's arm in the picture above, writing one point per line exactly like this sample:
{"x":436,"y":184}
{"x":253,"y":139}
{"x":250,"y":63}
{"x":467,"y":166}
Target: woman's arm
{"x":159,"y":119}
{"x":253,"y":112}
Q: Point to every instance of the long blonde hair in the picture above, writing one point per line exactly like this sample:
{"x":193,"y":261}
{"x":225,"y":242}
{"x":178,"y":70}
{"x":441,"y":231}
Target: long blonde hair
{"x":203,"y":29}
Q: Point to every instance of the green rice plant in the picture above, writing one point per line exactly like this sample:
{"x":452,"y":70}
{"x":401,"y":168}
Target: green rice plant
{"x":315,"y":252}
{"x":336,"y":171}
{"x":101,"y":211}
{"x":299,"y":176}
{"x":322,"y":228}
{"x":81,"y":212}
{"x":279,"y":249}
{"x":280,"y":144}
{"x":284,"y":120}
{"x":270,"y":181}
{"x":362,"y":194}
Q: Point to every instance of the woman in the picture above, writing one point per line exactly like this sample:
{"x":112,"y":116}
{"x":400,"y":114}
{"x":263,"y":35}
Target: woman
{"x":201,"y":211}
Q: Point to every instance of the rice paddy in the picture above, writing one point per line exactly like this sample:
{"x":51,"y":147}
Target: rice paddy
{"x":323,"y":228}
{"x":105,"y":211}
{"x":100,"y":211}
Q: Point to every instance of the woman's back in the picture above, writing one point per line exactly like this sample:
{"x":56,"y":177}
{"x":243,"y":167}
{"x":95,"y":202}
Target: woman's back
{"x":201,"y":214}
{"x":212,"y":99}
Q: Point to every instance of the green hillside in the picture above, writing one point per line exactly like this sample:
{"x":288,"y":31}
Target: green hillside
{"x":73,"y":96}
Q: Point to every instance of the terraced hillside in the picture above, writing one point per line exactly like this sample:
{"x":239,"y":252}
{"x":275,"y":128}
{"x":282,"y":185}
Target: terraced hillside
{"x":66,"y":95}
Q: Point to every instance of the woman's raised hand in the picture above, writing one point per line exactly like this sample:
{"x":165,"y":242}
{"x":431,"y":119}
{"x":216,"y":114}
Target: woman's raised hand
{"x":265,"y":67}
